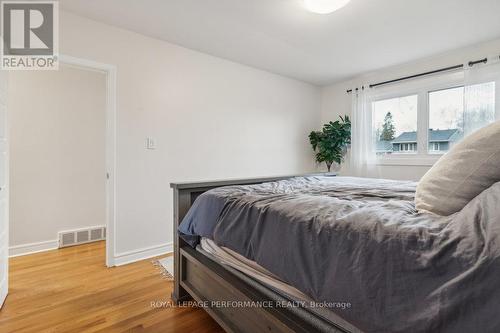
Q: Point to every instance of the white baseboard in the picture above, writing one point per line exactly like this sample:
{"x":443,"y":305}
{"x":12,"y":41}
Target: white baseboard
{"x":24,"y":249}
{"x":141,"y":254}
{"x":119,"y":259}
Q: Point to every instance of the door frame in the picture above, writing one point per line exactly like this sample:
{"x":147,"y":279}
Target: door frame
{"x":4,"y":284}
{"x":110,"y":172}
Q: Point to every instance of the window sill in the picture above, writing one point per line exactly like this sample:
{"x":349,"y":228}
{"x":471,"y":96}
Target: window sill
{"x":406,"y":160}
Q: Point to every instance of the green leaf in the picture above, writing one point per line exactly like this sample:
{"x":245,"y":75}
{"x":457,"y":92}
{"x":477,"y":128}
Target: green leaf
{"x":330,"y":144}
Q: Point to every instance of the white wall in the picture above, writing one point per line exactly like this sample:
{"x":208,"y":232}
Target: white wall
{"x":335,"y":100}
{"x":211,"y":118}
{"x":57,"y":125}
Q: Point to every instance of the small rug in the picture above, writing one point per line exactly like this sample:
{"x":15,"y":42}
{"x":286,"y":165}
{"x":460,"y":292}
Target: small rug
{"x":166,"y":267}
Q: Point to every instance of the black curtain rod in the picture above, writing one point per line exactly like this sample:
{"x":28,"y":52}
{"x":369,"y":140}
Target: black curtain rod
{"x":471,"y":63}
{"x":417,"y":75}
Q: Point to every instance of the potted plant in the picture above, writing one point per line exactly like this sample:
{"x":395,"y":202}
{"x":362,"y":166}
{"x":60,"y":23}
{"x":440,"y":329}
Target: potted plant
{"x":330,"y":144}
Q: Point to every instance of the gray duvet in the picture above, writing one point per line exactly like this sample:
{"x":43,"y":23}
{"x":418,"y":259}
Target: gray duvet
{"x":361,"y":241}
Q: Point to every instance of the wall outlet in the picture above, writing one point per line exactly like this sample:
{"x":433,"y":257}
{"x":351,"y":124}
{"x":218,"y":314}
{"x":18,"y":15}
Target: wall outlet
{"x":150,"y":143}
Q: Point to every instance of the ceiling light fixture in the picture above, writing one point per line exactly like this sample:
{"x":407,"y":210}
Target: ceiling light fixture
{"x":324,"y":6}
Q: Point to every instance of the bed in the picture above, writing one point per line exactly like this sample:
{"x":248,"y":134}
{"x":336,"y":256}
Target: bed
{"x":335,"y":240}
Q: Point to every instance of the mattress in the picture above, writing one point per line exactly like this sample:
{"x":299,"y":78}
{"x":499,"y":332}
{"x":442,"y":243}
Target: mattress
{"x":227,"y":257}
{"x":358,"y":240}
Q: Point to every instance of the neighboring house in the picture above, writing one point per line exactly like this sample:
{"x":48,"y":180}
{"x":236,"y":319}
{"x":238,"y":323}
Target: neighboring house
{"x":383,"y":147}
{"x":439,"y":141}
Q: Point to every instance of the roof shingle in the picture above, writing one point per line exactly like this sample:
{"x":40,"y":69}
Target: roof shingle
{"x":434,"y":136}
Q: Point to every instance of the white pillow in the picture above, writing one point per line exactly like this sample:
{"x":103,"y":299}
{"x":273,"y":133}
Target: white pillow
{"x":469,"y":168}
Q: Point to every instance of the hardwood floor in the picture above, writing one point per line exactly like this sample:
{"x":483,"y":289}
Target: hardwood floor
{"x":71,"y":290}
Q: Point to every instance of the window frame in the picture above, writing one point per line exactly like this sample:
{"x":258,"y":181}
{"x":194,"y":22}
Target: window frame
{"x":423,"y":156}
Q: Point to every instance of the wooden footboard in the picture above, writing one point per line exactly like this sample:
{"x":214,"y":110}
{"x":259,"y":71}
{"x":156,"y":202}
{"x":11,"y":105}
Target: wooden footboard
{"x":235,"y":301}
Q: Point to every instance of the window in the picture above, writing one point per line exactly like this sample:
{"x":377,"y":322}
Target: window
{"x":435,"y":147}
{"x":429,"y":117}
{"x":454,"y":113}
{"x":395,"y":125}
{"x":406,"y":148}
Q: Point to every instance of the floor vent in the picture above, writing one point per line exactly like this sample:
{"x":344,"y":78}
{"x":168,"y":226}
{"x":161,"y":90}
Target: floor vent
{"x":81,"y":236}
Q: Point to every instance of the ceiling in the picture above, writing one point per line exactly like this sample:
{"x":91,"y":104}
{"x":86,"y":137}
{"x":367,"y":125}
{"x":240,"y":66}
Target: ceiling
{"x":280,"y":36}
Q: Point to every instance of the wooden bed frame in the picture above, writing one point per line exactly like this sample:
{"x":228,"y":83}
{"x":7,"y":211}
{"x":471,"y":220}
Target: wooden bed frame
{"x":201,"y":279}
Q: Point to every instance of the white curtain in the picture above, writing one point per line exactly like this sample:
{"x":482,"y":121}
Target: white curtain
{"x":362,"y":151}
{"x":479,"y":94}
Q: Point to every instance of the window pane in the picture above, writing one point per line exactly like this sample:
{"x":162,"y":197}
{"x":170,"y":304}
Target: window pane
{"x":479,"y":106}
{"x":456,"y":112}
{"x":395,"y":125}
{"x":446,"y":113}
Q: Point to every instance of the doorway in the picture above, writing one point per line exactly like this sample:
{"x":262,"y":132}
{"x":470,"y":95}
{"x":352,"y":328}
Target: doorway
{"x":62,"y":158}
